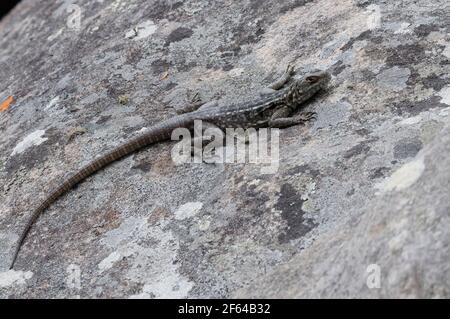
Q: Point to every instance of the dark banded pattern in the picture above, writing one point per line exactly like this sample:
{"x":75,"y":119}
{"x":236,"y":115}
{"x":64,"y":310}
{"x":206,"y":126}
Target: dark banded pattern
{"x":160,"y":132}
{"x":255,"y":113}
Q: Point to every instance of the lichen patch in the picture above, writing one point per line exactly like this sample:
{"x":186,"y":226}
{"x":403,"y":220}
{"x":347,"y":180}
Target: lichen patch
{"x":32,"y":139}
{"x":404,"y":177}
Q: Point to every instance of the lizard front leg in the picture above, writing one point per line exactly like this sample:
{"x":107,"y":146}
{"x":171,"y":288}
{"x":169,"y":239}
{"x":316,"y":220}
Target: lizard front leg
{"x":282,"y":118}
{"x":214,"y":137}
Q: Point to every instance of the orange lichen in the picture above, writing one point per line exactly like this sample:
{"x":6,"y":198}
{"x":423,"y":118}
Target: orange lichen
{"x":5,"y":104}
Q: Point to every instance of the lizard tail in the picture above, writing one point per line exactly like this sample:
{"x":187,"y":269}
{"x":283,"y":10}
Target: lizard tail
{"x":160,"y":132}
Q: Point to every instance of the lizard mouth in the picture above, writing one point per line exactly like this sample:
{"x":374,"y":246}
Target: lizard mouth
{"x":312,"y":79}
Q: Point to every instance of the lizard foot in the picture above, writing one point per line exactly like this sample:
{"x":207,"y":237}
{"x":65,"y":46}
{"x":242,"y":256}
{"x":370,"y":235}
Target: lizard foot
{"x":193,"y":104}
{"x":290,"y":69}
{"x":305,"y":117}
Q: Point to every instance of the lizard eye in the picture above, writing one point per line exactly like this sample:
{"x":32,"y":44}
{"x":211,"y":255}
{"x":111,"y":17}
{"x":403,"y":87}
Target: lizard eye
{"x":312,"y":79}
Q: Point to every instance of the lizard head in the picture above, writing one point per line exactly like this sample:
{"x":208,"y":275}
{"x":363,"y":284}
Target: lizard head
{"x":318,"y":80}
{"x":305,"y":87}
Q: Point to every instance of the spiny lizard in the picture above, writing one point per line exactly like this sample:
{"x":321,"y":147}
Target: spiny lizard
{"x":274,"y":109}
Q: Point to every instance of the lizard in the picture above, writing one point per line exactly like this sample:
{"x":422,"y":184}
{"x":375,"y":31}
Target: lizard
{"x":273,"y":109}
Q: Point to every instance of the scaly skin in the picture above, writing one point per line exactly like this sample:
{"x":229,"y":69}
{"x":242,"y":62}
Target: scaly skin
{"x":273,"y":110}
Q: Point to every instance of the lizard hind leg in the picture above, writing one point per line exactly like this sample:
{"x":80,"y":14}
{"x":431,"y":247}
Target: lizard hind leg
{"x":284,"y":79}
{"x":192,"y":105}
{"x":196,"y":103}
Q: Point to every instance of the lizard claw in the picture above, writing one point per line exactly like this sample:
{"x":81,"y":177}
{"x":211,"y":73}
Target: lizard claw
{"x":196,"y":98}
{"x":194,"y":103}
{"x":306,"y":116}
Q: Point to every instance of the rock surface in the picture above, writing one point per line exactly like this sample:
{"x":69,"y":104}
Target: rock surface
{"x":358,"y":207}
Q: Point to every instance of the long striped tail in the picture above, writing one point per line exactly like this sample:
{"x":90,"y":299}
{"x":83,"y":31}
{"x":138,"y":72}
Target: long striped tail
{"x":160,"y":132}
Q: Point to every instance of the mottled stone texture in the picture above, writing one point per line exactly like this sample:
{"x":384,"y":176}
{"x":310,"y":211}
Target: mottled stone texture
{"x":362,"y":191}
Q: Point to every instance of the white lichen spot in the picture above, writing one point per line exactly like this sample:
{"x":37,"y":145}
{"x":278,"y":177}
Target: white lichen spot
{"x":142,"y":130}
{"x":204,"y":224}
{"x":130,"y":230}
{"x":445,"y":95}
{"x":142,"y":30}
{"x":254,"y":182}
{"x":188,"y":210}
{"x":236,"y":72}
{"x":123,"y":251}
{"x":154,"y":251}
{"x":398,"y":241}
{"x":373,"y":14}
{"x":446,"y":51}
{"x":52,"y":102}
{"x":32,"y":139}
{"x":404,"y":177}
{"x":109,"y":261}
{"x":12,"y":277}
{"x":403,"y":28}
{"x":55,"y":35}
{"x":445,"y":112}
{"x":411,"y":120}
